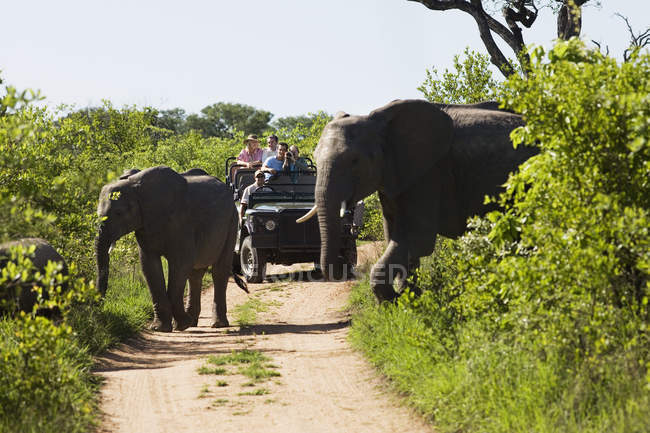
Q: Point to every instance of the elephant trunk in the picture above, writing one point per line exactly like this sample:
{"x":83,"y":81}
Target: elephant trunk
{"x":102,"y":244}
{"x":329,"y":221}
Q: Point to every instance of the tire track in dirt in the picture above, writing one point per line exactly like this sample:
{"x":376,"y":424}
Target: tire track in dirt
{"x":152,"y":383}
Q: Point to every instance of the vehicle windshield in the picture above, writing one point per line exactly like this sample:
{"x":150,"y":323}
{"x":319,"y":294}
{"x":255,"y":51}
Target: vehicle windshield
{"x":266,"y":196}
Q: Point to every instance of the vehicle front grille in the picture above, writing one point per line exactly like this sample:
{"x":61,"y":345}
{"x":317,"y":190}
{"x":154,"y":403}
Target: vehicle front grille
{"x":293,"y":234}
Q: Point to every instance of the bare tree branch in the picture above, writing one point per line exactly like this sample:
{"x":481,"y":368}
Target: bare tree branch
{"x":486,"y":24}
{"x":516,"y":13}
{"x":600,"y":48}
{"x":636,"y":41}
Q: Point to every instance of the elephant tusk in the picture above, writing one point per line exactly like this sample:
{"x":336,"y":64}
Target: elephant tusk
{"x":111,"y":247}
{"x":343,"y":208}
{"x":308,"y":215}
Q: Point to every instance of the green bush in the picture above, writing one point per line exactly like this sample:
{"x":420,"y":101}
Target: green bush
{"x":373,"y":219}
{"x":538,"y":318}
{"x":45,"y":379}
{"x":51,"y":172}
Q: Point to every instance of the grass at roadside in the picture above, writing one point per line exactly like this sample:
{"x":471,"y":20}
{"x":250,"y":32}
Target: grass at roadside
{"x":489,"y":384}
{"x":125,"y":310}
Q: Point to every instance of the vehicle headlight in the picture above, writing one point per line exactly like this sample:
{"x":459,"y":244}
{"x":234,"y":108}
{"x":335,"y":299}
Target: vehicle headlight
{"x":269,"y":225}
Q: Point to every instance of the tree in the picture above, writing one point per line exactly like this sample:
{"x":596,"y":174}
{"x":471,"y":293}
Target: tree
{"x":223,"y":119}
{"x":472,"y":82}
{"x":516,"y":13}
{"x":172,"y":119}
{"x":290,"y":123}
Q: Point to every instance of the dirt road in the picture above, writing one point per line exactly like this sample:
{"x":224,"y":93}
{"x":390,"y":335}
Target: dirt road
{"x":317,"y":383}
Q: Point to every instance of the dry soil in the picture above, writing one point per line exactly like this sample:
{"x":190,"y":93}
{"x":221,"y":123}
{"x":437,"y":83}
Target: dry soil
{"x":152,"y":383}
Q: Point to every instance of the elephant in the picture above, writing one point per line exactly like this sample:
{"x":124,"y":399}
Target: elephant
{"x":43,"y":253}
{"x":432,"y":165}
{"x":191,"y":220}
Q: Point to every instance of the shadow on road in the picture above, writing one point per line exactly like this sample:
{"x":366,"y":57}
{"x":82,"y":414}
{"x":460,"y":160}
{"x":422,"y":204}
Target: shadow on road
{"x":152,"y":350}
{"x":312,"y":276}
{"x":288,"y":328}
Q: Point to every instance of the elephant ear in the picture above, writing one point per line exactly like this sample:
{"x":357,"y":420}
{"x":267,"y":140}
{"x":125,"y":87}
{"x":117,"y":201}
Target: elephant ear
{"x":337,"y":116}
{"x":417,"y":135}
{"x":161,"y":193}
{"x":128,"y":172}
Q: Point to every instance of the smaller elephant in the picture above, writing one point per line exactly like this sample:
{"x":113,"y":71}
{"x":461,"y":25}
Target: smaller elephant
{"x":188,"y":218}
{"x":43,"y":253}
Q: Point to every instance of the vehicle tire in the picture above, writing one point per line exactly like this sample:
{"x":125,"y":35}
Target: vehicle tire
{"x":253,"y":264}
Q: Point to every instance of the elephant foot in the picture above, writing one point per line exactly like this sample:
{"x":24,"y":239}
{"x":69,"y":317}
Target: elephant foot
{"x":159,"y":326}
{"x":194,"y":318}
{"x":217,"y":323}
{"x":384,"y":293}
{"x":184,"y":321}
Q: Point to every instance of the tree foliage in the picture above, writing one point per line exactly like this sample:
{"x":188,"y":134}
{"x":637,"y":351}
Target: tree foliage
{"x":223,"y":119}
{"x":471,"y":82}
{"x":292,"y":122}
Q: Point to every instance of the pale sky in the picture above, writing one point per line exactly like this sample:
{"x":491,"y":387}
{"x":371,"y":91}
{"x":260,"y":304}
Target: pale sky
{"x":289,"y":57}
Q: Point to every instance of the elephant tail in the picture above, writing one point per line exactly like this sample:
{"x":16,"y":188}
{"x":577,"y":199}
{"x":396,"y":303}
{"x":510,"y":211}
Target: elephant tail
{"x":241,"y":283}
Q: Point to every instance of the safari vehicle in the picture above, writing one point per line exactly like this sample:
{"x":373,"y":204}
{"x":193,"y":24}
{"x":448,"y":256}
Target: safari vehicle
{"x":269,"y":232}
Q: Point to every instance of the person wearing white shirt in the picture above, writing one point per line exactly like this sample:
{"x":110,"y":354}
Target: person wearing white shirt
{"x":272,"y":149}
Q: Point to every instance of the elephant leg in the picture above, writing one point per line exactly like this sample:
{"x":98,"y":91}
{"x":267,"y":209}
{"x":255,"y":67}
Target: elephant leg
{"x":193,"y":307}
{"x":162,"y":310}
{"x":221,"y":271}
{"x":392,"y":264}
{"x":403,"y":278}
{"x":178,"y":276}
{"x":219,"y":309}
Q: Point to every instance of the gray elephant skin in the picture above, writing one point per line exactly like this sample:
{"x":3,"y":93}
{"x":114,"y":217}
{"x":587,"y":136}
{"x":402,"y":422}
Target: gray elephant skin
{"x":43,"y":253}
{"x":432,"y":165}
{"x":188,"y":218}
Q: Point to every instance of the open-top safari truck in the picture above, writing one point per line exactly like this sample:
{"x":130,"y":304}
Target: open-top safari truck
{"x":269,"y":233}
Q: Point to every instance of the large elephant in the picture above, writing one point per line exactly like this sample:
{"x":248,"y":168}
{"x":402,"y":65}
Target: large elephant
{"x":190,"y":219}
{"x":432,"y":164}
{"x":43,"y":254}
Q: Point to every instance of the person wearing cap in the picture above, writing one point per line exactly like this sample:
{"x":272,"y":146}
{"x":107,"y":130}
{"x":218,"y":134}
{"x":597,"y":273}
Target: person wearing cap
{"x":251,"y":155}
{"x":272,"y":149}
{"x":259,"y":183}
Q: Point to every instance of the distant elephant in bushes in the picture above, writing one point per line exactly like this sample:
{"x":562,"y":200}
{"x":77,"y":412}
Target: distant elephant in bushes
{"x":190,"y":219}
{"x":433,"y":165}
{"x":43,"y":253}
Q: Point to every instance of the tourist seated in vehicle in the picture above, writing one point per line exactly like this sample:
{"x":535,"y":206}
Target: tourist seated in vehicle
{"x":272,"y":149}
{"x":299,"y":162}
{"x":274,"y":165}
{"x":259,"y":183}
{"x":251,"y":154}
